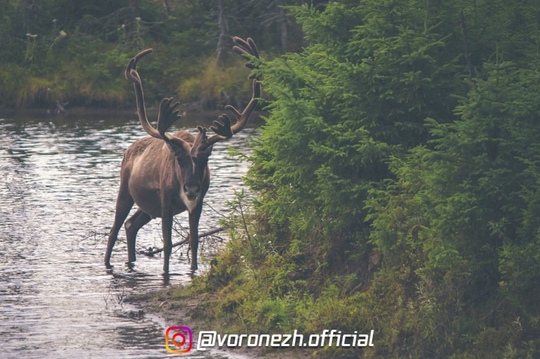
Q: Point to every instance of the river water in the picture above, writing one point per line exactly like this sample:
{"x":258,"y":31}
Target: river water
{"x":59,"y":178}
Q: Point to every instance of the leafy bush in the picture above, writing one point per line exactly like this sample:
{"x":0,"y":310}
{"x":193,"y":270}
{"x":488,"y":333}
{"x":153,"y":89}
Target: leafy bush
{"x":396,"y":183}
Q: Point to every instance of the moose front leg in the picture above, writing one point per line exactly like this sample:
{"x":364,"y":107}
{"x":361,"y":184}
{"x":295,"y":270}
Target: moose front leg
{"x":166,"y":227}
{"x":194,"y":217}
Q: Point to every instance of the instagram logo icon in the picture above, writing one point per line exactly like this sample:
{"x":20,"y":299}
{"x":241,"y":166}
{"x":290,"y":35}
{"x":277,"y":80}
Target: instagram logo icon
{"x":178,"y":339}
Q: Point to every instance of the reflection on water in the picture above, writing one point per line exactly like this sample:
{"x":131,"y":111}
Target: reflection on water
{"x":59,"y":178}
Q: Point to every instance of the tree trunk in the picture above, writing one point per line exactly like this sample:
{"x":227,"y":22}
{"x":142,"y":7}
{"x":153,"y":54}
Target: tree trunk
{"x":222,"y":47}
{"x":284,"y":30}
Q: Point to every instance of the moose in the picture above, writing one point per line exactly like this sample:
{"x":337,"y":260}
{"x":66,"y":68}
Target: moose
{"x":166,"y":174}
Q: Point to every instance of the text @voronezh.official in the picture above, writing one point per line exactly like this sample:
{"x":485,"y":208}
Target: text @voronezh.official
{"x":179,"y":339}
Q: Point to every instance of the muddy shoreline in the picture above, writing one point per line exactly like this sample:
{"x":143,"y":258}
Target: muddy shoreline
{"x":168,"y":310}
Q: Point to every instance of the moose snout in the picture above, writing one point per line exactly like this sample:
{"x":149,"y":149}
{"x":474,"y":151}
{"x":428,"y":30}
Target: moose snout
{"x":192,"y":191}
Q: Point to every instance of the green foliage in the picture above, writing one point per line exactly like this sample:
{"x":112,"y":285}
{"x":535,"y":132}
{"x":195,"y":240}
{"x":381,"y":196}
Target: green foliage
{"x":460,"y":217}
{"x":397,"y":184}
{"x":342,"y":108}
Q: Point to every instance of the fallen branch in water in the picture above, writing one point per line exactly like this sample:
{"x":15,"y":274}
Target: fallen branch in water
{"x":152,"y":251}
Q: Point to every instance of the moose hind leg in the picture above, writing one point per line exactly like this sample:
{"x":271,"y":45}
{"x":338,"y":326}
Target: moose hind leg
{"x":133,"y":224}
{"x":124,"y":203}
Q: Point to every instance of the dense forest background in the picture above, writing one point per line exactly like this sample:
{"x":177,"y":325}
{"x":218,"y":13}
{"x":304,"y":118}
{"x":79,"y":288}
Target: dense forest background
{"x":61,"y":50}
{"x":397,"y":175}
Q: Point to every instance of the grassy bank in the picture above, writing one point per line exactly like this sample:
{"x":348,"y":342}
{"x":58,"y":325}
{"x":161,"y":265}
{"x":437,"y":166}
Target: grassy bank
{"x":187,"y":307}
{"x":102,"y":84}
{"x":77,"y":51}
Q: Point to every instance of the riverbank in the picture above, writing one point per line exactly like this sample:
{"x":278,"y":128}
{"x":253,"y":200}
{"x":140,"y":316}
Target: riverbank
{"x":181,"y":306}
{"x":79,"y":111}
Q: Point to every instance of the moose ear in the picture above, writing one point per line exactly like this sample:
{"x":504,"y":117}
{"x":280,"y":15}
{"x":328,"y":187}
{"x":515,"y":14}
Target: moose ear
{"x":201,"y":145}
{"x":202,"y":130}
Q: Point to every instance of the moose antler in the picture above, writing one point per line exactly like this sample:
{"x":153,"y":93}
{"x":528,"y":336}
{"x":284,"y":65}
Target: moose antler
{"x":168,"y":110}
{"x":222,"y":126}
{"x":248,"y":48}
{"x":168,"y":115}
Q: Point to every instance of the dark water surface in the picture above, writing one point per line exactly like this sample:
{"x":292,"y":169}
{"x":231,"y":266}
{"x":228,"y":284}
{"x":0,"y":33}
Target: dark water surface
{"x":59,"y":178}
